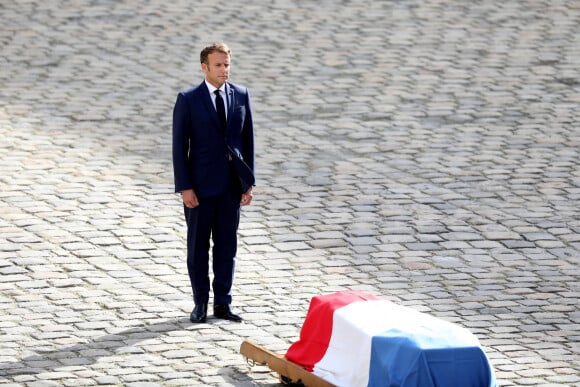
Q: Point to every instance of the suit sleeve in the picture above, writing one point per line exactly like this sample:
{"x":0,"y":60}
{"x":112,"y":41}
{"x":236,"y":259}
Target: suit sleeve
{"x":181,"y":137}
{"x":248,"y":136}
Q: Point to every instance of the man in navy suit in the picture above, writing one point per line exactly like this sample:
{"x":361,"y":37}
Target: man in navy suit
{"x":212,"y":124}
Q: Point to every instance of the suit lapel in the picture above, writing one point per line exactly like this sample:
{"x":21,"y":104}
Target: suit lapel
{"x":231,"y":95}
{"x":231,"y":98}
{"x":209,"y":105}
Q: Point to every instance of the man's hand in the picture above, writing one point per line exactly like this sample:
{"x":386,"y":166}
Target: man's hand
{"x":246,"y":197}
{"x":189,"y":198}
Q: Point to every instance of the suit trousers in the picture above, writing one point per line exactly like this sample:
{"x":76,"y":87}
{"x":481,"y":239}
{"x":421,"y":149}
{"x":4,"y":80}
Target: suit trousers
{"x":218,"y":218}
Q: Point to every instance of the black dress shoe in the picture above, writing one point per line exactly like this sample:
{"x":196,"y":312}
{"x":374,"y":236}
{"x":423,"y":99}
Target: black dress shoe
{"x":199,"y":313}
{"x":223,"y":312}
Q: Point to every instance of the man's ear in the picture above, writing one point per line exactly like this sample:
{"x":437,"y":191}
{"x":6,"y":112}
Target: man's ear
{"x":204,"y":67}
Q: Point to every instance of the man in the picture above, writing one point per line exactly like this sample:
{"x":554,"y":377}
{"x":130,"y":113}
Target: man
{"x":212,"y":135}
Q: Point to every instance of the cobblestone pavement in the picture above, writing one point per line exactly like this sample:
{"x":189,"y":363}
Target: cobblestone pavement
{"x":424,"y":151}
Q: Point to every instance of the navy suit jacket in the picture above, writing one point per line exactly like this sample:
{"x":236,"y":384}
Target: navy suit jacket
{"x":199,"y":144}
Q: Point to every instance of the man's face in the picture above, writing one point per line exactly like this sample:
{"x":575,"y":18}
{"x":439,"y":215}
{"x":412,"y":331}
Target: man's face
{"x":217,"y":70}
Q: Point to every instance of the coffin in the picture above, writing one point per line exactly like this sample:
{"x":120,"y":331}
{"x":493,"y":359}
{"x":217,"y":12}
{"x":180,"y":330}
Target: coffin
{"x":357,"y":339}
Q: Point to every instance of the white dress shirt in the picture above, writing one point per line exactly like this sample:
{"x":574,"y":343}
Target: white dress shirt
{"x":222,"y":90}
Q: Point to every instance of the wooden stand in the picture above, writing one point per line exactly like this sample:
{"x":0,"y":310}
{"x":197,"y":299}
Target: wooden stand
{"x":290,"y":373}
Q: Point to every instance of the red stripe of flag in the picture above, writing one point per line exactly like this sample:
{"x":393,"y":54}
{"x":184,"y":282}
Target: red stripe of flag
{"x":317,"y":328}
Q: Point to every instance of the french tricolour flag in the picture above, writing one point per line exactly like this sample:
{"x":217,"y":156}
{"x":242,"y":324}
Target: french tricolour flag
{"x":355,"y":339}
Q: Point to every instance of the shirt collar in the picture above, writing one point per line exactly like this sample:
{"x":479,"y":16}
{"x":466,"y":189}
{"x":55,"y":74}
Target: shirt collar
{"x":212,"y":88}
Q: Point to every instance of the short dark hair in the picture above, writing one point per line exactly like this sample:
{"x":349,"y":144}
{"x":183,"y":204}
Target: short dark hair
{"x":214,"y":47}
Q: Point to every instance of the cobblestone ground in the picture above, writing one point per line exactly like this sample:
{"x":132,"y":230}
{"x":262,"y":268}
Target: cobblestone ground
{"x":424,"y":151}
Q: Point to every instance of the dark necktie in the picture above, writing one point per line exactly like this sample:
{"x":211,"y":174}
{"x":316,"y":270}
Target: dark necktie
{"x":221,"y":108}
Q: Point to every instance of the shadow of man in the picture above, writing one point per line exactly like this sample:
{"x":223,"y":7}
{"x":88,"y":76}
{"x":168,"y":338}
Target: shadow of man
{"x":89,"y":353}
